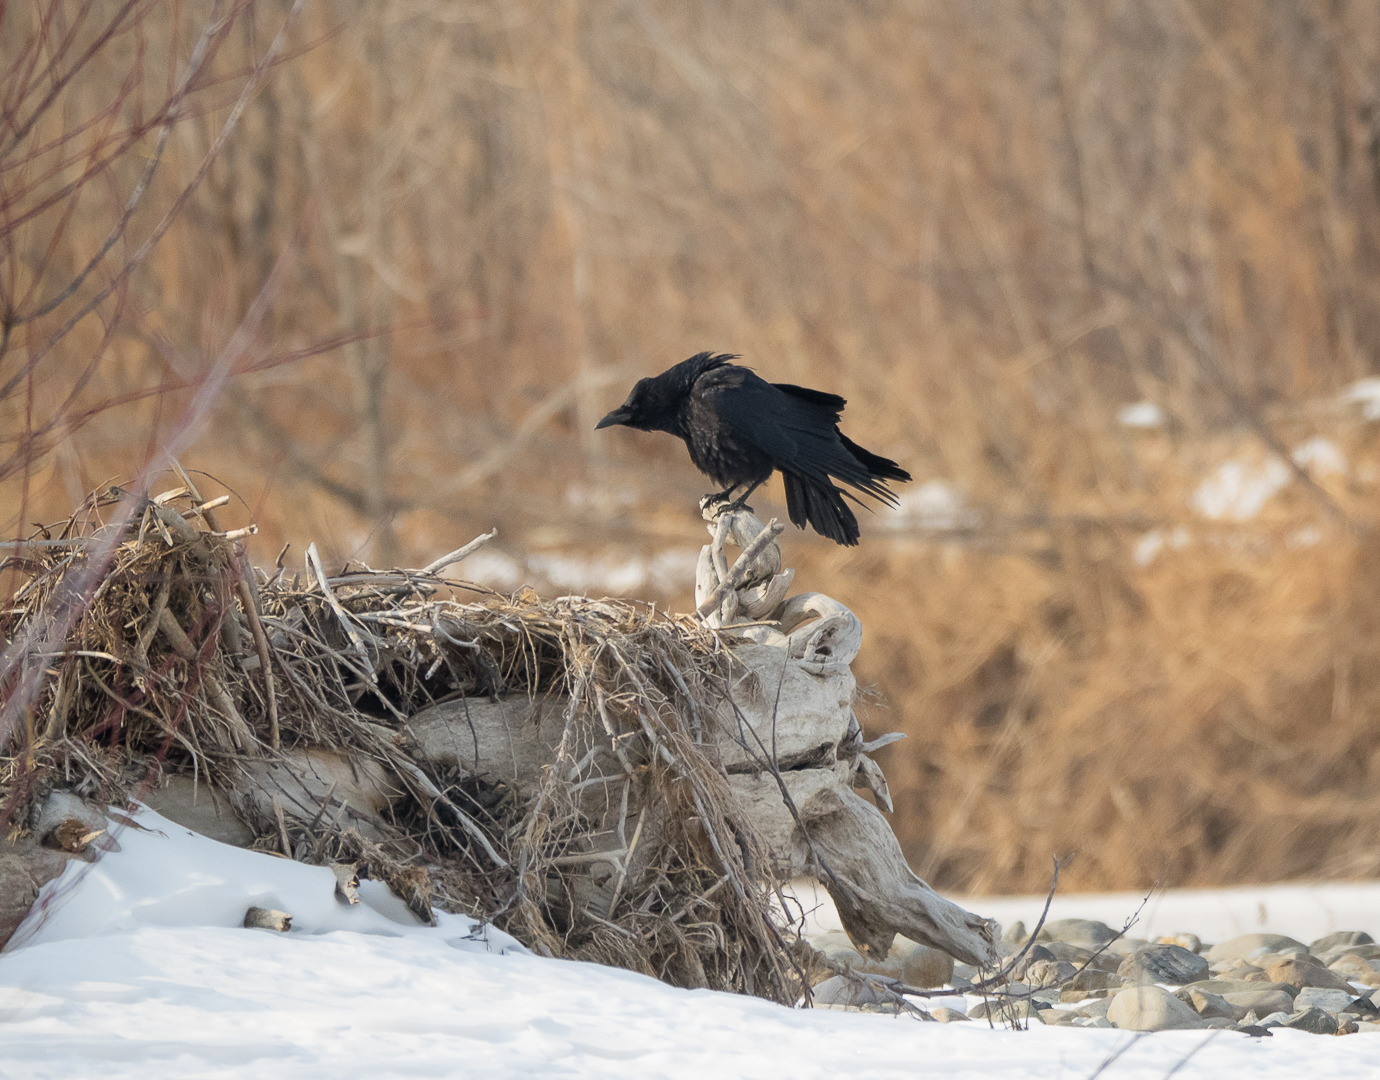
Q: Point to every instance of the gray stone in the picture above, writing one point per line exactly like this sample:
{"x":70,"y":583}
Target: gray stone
{"x":920,"y":965}
{"x":1314,"y":1020}
{"x":1365,"y":952}
{"x":946,"y":1015}
{"x":1211,"y":1006}
{"x":1219,"y":1022}
{"x":1262,"y":1002}
{"x":1240,"y":948}
{"x":1091,"y":978}
{"x":1274,"y":1019}
{"x":1338,"y":939}
{"x":1015,"y":934}
{"x":1330,"y":1001}
{"x":1151,"y":1008}
{"x":1163,"y":964}
{"x":1238,"y":970}
{"x":839,"y":990}
{"x":1006,"y":1011}
{"x":200,"y":807}
{"x":1237,"y":986}
{"x":1050,"y":973}
{"x":1356,"y":969}
{"x":1096,"y":1008}
{"x":24,"y":869}
{"x":1078,"y":956}
{"x":908,"y":961}
{"x":1125,"y":946}
{"x":1034,"y":955}
{"x":1089,"y":933}
{"x":1364,"y":1008}
{"x":1305,"y":971}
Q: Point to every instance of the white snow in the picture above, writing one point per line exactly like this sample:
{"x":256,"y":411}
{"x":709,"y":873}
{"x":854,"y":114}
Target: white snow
{"x":1143,"y":414}
{"x":136,"y":968}
{"x":935,"y":504}
{"x":1320,"y":456}
{"x":1238,"y":489}
{"x":1153,"y":542}
{"x":1366,"y":393}
{"x":582,"y":573}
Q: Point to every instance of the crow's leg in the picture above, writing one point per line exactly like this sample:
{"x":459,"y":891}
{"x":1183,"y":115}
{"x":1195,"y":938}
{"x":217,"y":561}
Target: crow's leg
{"x":718,"y":497}
{"x":740,"y":503}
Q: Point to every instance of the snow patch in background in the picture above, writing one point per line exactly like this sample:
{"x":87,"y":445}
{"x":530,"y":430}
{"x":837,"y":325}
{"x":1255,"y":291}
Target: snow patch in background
{"x":1143,"y":414}
{"x":935,"y":504}
{"x":491,"y":568}
{"x":1320,"y":457}
{"x":1156,"y":540}
{"x":1365,"y":393}
{"x":1239,"y":489}
{"x":667,"y":571}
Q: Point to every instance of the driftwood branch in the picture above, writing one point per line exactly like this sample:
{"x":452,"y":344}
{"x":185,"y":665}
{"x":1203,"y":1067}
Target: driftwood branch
{"x":738,"y":574}
{"x":458,"y":554}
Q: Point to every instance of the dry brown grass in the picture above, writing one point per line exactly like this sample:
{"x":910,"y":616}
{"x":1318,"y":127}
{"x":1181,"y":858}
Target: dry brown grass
{"x":988,"y":226}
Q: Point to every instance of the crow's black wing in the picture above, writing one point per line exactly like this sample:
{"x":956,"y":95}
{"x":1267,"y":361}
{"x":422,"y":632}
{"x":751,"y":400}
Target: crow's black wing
{"x":814,"y":397}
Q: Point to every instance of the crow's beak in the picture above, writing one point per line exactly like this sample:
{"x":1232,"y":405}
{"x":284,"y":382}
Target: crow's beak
{"x":620,"y":415}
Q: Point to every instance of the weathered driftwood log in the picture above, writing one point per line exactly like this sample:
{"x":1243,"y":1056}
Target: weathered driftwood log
{"x":843,"y":841}
{"x":789,"y":715}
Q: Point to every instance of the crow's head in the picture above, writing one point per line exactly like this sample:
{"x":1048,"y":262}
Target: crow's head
{"x":655,"y":404}
{"x":651,"y":406}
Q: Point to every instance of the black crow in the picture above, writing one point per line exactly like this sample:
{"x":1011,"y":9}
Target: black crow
{"x":739,"y":428}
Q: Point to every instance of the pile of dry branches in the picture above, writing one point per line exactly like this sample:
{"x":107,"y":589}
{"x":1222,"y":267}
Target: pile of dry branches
{"x":140,"y":641}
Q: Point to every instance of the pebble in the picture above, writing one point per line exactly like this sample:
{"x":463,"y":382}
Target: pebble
{"x":1163,"y":964}
{"x":1251,"y":983}
{"x":908,"y":961}
{"x":1087,"y":933}
{"x":1236,"y":986}
{"x":1151,"y":1008}
{"x":1314,"y":1020}
{"x":1240,"y":948}
{"x":1262,"y":1002}
{"x":1339,"y":939}
{"x":1210,"y":1006}
{"x":1332,"y":1001}
{"x":1305,"y":972}
{"x":1006,"y":1012}
{"x":1050,"y":973}
{"x":838,"y":990}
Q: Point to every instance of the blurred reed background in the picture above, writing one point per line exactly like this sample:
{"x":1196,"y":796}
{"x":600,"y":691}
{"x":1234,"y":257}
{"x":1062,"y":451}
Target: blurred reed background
{"x":440,"y":238}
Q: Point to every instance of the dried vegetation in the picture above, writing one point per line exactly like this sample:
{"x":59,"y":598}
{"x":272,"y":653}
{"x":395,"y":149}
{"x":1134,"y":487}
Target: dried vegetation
{"x":150,"y":647}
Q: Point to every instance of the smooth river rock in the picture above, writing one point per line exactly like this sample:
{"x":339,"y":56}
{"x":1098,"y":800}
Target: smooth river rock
{"x":1151,"y":1008}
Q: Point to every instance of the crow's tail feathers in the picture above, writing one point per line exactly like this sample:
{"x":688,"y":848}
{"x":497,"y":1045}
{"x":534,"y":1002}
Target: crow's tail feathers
{"x":821,"y":505}
{"x":878,"y":467}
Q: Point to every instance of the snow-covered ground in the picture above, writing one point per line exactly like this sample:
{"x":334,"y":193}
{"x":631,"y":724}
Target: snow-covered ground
{"x":137,"y":967}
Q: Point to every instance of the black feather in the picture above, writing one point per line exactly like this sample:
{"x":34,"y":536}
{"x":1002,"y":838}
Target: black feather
{"x":740,"y":428}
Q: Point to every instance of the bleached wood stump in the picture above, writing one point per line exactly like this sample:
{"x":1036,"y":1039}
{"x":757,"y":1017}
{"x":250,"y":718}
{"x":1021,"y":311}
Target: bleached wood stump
{"x":792,"y":704}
